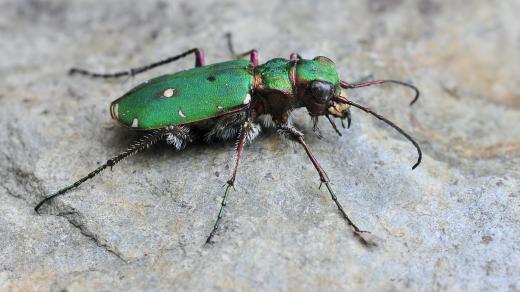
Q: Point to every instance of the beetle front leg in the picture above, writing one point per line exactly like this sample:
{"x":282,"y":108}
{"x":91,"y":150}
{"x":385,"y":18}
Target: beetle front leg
{"x":199,"y":61}
{"x":231,"y":182}
{"x":295,"y":135}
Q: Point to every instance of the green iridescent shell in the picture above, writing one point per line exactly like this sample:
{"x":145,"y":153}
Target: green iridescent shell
{"x":187,"y":96}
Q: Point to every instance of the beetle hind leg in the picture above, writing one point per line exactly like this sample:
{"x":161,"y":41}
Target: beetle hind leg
{"x":142,"y":144}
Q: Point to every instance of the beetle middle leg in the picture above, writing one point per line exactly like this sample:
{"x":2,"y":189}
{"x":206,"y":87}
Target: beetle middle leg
{"x":231,"y":182}
{"x":295,"y":57}
{"x":253,"y":54}
{"x":199,"y":61}
{"x":295,"y":135}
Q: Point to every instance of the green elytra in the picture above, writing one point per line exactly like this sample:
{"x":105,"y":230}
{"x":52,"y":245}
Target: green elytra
{"x":203,"y":93}
{"x":234,"y":95}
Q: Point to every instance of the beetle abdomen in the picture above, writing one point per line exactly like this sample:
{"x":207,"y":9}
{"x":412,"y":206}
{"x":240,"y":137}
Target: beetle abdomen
{"x":186,"y":97}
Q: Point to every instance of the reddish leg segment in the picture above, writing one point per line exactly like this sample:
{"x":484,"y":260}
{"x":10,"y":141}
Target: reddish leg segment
{"x":253,"y":54}
{"x":295,"y":57}
{"x":199,"y":61}
{"x":231,"y":182}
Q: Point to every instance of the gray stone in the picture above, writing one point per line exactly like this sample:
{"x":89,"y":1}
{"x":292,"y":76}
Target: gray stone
{"x":451,"y":224}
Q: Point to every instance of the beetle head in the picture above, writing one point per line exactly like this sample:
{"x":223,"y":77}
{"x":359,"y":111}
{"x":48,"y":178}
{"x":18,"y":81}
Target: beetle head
{"x":318,"y":87}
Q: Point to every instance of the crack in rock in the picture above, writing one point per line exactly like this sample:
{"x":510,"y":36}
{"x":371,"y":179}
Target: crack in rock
{"x":75,"y":219}
{"x":24,"y":182}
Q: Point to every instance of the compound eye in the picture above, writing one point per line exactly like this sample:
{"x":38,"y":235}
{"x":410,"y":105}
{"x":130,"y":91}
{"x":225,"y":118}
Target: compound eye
{"x":321,"y":90}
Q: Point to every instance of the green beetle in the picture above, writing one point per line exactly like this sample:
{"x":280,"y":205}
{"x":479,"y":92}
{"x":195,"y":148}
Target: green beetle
{"x":233,"y":100}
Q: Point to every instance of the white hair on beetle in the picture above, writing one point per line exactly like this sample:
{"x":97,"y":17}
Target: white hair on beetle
{"x":178,"y":137}
{"x":252,"y":132}
{"x":266,"y":120}
{"x":175,"y":141}
{"x":226,"y":128}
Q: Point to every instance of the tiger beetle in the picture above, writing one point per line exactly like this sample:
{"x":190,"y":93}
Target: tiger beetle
{"x":234,"y":100}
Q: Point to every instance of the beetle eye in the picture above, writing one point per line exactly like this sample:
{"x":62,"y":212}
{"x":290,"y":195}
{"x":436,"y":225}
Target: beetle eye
{"x":321,"y":90}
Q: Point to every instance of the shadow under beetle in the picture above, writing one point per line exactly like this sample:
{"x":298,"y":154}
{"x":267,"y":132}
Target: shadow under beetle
{"x":234,"y":100}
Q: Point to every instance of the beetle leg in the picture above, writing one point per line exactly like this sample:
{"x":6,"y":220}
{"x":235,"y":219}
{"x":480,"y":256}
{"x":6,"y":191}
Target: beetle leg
{"x":231,"y":182}
{"x":142,"y":144}
{"x":253,"y":54}
{"x":315,"y":127}
{"x":199,"y":61}
{"x":295,"y":57}
{"x":295,"y":135}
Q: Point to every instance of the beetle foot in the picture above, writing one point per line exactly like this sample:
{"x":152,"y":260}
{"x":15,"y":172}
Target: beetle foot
{"x":366,"y":238}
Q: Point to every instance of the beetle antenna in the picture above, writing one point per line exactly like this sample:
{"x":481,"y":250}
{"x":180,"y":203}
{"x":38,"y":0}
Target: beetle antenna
{"x":347,"y":85}
{"x":390,"y":123}
{"x":142,"y":144}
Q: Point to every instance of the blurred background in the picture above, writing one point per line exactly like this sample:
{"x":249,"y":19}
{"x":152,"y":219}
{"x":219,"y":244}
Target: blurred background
{"x":451,"y":224}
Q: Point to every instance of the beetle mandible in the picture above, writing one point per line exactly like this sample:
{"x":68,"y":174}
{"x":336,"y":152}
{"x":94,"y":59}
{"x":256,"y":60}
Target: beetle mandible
{"x":234,"y":100}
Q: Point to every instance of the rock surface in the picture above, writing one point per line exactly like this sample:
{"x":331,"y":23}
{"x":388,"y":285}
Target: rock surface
{"x":451,"y":224}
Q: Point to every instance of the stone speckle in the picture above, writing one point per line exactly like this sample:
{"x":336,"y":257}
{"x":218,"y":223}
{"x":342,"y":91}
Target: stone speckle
{"x":451,"y":224}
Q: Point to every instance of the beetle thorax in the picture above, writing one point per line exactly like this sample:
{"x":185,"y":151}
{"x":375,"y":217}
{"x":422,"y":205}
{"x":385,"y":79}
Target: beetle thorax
{"x":273,"y":91}
{"x":282,"y":85}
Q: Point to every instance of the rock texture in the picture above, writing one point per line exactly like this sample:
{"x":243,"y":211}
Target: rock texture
{"x":452,"y":224}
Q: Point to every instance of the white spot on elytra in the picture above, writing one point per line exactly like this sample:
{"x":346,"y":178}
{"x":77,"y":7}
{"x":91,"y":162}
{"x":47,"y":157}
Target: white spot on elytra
{"x":116,"y":110}
{"x":247,"y":99}
{"x":169,"y":92}
{"x":135,"y":123}
{"x":220,"y":108}
{"x":181,"y":113}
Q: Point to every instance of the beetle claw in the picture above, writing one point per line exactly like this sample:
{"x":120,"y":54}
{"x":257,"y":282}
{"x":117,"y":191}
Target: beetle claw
{"x":315,"y":127}
{"x":349,"y":119}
